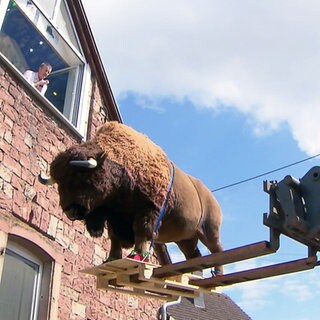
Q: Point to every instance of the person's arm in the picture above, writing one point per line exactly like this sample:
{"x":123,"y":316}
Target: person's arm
{"x":44,"y":89}
{"x":41,"y":85}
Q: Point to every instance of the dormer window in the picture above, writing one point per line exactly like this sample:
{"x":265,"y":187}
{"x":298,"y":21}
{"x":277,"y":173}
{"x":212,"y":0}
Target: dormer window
{"x":33,"y":32}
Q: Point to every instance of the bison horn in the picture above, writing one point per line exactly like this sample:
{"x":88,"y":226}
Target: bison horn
{"x":48,"y":181}
{"x":91,"y":163}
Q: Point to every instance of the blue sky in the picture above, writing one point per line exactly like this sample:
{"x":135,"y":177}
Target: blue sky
{"x":229,"y":90}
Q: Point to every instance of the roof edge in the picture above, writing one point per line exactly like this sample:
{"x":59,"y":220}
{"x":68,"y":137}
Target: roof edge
{"x":92,"y":55}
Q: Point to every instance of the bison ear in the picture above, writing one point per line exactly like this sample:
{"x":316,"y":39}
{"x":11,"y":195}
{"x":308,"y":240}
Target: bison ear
{"x":48,"y":181}
{"x":91,"y":163}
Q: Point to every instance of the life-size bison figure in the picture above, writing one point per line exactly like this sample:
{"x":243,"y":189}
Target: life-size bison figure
{"x":120,"y":180}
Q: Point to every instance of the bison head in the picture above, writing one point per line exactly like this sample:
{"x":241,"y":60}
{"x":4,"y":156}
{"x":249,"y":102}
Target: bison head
{"x":85,"y":178}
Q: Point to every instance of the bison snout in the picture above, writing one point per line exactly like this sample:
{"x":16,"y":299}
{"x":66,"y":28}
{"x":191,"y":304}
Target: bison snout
{"x":76,"y":212}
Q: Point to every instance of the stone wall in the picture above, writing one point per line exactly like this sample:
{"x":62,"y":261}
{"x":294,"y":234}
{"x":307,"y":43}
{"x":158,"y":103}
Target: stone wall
{"x":30,"y":136}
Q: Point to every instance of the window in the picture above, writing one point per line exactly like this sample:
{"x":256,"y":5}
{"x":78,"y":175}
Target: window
{"x":25,"y":281}
{"x":33,"y":32}
{"x":19,"y":287}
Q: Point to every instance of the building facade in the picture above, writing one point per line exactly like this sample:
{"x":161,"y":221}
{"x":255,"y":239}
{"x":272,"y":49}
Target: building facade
{"x":41,"y":251}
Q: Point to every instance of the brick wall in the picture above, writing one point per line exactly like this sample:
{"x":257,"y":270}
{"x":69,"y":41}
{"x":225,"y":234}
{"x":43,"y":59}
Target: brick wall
{"x":30,"y":136}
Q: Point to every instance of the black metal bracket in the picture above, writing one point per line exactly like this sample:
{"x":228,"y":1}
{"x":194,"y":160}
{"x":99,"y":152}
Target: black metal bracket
{"x":294,"y":209}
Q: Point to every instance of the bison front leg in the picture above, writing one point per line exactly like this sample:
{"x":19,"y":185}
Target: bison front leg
{"x":143,"y":228}
{"x":116,"y":248}
{"x":95,"y":222}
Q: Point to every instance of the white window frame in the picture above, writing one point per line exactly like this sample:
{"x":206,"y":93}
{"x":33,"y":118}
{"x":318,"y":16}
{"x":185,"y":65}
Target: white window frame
{"x":77,"y":95}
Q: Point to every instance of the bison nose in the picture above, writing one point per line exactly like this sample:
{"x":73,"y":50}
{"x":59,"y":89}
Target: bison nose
{"x":71,"y":214}
{"x":75,"y":212}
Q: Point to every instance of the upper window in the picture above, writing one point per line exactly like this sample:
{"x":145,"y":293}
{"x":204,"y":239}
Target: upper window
{"x":33,"y":32}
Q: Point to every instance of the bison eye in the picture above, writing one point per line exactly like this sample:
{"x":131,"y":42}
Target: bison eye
{"x":81,"y":172}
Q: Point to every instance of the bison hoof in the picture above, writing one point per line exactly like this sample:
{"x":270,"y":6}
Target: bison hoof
{"x":216,"y":273}
{"x":144,"y":256}
{"x":111,"y":259}
{"x":95,"y":233}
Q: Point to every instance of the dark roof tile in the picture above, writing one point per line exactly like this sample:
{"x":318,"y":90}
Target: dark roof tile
{"x":218,"y":306}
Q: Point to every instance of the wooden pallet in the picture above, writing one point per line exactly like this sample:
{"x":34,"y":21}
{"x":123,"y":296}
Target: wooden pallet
{"x":172,"y":281}
{"x":136,"y":278}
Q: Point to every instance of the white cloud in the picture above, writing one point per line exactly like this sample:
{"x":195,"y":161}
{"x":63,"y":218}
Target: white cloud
{"x":297,"y":290}
{"x":302,"y":287}
{"x":255,"y":295}
{"x":261,"y":57}
{"x":145,"y":102}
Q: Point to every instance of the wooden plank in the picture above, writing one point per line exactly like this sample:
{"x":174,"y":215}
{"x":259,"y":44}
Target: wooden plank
{"x":221,"y":258}
{"x":169,"y":289}
{"x":135,"y":291}
{"x":117,"y":266}
{"x":184,"y":288}
{"x":114,"y":275}
{"x":258,"y":273}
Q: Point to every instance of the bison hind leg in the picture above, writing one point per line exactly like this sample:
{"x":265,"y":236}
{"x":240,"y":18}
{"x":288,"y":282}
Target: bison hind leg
{"x":189,"y":248}
{"x":162,"y":253}
{"x":211,"y":239}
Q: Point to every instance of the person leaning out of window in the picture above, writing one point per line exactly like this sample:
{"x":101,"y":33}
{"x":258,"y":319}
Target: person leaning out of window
{"x":38,"y":79}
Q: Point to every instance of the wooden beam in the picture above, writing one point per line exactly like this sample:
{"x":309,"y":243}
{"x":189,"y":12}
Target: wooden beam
{"x":102,"y":284}
{"x":259,"y":273}
{"x":117,"y":266}
{"x":221,"y":258}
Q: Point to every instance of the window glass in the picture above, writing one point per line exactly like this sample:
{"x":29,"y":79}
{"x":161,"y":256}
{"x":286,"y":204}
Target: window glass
{"x":64,"y":24}
{"x":19,"y":287}
{"x":47,"y":6}
{"x":27,"y":38}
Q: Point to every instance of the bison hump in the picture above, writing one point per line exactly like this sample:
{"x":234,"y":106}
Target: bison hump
{"x":145,"y":162}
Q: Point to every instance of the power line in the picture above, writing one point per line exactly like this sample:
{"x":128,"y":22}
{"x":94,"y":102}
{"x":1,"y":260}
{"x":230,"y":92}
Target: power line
{"x":264,"y":174}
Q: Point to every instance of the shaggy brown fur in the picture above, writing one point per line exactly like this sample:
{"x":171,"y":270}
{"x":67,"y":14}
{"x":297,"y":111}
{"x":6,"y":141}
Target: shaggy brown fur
{"x":145,"y":162}
{"x":126,"y":189}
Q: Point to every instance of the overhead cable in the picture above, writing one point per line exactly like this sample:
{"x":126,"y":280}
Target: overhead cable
{"x":265,"y":173}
